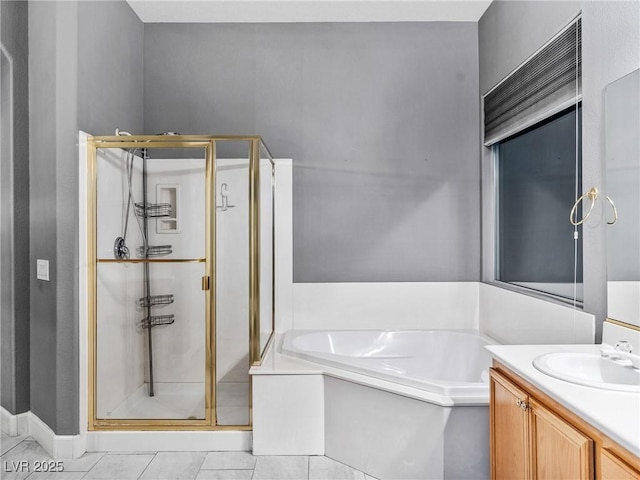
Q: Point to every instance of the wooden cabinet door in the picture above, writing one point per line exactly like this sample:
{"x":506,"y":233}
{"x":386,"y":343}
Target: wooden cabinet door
{"x":509,"y":430}
{"x":559,"y":451}
{"x":612,"y":468}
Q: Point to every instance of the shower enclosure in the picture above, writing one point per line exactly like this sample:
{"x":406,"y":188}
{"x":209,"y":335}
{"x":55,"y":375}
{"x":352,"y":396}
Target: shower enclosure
{"x":181,"y":279}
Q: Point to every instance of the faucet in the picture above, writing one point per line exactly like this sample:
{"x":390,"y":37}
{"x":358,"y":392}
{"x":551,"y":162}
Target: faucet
{"x":621,"y":351}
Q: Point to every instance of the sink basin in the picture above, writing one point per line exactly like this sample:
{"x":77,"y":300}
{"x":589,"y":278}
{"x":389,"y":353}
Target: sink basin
{"x":589,"y":369}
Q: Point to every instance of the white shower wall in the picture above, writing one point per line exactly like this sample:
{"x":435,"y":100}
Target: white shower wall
{"x":189,"y":176}
{"x":232,"y":273}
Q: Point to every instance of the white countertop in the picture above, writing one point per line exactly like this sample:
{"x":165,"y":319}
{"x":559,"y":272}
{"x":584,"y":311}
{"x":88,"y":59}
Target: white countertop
{"x":616,"y":414}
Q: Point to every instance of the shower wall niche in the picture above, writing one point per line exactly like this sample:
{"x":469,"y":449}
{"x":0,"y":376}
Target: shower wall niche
{"x":181,"y":274}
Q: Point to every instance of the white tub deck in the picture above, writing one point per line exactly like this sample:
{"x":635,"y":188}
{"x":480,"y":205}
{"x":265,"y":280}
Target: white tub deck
{"x":448,"y":363}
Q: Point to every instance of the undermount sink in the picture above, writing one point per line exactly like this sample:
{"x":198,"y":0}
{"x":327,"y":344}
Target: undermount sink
{"x":589,"y":369}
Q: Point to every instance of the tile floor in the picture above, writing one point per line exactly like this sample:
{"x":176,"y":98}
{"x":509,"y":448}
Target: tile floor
{"x":24,"y":451}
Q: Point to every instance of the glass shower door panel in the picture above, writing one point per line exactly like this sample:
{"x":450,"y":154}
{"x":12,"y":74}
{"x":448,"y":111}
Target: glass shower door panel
{"x":176,"y":366}
{"x":152,"y":328}
{"x":266,"y":251}
{"x":232,"y":283}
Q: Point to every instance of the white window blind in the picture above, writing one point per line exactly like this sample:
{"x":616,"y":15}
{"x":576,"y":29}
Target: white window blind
{"x":548,"y":82}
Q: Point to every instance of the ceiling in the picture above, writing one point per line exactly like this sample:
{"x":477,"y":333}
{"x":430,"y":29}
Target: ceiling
{"x":290,"y":11}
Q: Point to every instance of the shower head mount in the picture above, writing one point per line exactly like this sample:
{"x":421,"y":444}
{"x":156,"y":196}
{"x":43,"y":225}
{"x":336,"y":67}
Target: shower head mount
{"x":120,"y":249}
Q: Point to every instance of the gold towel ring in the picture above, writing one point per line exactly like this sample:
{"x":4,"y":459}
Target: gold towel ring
{"x":615,"y":211}
{"x":592,"y":195}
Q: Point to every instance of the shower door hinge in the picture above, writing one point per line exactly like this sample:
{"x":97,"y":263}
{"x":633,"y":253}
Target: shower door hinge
{"x":206,"y":282}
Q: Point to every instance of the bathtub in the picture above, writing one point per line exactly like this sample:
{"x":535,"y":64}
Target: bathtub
{"x":452,"y":364}
{"x":405,"y":404}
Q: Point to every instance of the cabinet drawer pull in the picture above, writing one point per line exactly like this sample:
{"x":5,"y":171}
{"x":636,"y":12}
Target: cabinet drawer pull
{"x":522,"y":404}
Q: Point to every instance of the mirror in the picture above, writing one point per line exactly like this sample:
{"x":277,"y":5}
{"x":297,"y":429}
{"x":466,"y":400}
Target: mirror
{"x":622,"y":144}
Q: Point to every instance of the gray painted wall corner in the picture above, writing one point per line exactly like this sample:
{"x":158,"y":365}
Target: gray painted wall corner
{"x":68,"y":86}
{"x":15,"y":182}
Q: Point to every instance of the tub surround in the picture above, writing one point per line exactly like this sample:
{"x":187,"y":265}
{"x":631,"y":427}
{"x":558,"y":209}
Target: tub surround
{"x":383,"y":305}
{"x":513,"y":318}
{"x":615,"y":414}
{"x":504,"y":315}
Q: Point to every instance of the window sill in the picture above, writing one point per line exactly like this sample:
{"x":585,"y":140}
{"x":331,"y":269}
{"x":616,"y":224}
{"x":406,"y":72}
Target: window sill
{"x":548,"y":297}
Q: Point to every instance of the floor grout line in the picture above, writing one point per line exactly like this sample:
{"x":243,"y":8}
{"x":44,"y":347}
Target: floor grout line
{"x":145,"y":468}
{"x":204,"y":458}
{"x":13,"y":447}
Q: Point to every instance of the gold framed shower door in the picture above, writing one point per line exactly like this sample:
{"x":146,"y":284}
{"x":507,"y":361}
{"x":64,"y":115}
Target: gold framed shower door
{"x":208,"y":143}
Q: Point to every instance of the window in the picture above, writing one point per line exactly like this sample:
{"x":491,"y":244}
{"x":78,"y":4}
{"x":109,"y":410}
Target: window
{"x":538,"y":174}
{"x":532,"y":122}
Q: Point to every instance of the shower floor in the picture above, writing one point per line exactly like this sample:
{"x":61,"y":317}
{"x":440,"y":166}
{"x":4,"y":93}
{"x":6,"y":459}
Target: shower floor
{"x":186,"y":401}
{"x":232,"y":406}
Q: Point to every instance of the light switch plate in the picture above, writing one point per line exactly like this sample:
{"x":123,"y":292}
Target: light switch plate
{"x":42,"y":272}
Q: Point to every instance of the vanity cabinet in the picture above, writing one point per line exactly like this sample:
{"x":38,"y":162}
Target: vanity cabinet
{"x":510,"y":452}
{"x":557,"y":449}
{"x":534,"y":437}
{"x":613,"y":468}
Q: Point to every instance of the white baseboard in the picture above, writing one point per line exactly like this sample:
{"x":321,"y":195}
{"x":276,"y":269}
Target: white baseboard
{"x":58,"y":446}
{"x":14,"y":425}
{"x":28,"y":423}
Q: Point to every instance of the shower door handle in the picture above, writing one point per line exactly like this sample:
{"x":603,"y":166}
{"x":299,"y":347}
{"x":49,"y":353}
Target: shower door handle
{"x":206,"y":282}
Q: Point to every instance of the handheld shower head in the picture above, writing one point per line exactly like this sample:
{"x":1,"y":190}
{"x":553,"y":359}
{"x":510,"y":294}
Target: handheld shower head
{"x":120,"y":249}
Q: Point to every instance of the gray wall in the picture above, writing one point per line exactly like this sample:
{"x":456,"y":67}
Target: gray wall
{"x":511,"y":31}
{"x":110,"y":68}
{"x":381,"y":121}
{"x":14,"y":184}
{"x":82,"y":60}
